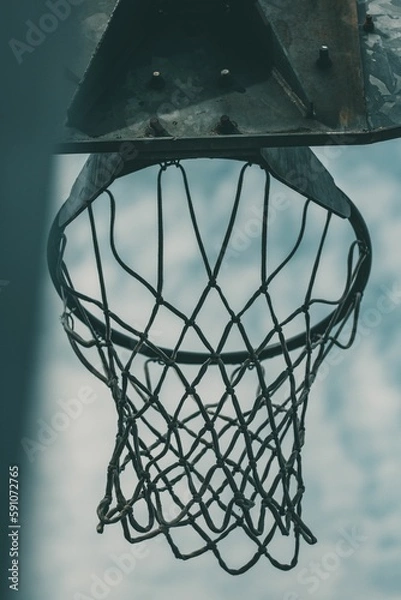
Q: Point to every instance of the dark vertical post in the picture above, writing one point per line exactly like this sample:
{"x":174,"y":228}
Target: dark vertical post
{"x":32,"y":99}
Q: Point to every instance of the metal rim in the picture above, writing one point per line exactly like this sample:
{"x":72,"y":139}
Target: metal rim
{"x":55,"y":244}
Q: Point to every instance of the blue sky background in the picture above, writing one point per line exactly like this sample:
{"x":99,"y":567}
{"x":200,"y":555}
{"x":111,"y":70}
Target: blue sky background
{"x":352,"y":453}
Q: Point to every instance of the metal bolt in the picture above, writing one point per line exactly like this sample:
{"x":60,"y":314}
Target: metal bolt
{"x":157,"y":129}
{"x":324,"y":61}
{"x":225,"y":77}
{"x":157,"y":82}
{"x":369,"y":25}
{"x":226,"y":126}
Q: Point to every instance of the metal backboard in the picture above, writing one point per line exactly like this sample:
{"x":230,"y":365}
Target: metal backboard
{"x":221,"y":76}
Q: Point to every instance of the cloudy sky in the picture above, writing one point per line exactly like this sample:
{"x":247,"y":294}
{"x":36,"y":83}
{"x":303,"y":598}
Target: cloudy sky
{"x":351,"y":458}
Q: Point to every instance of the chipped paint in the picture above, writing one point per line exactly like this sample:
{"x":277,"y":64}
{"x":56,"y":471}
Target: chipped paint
{"x":381,"y":52}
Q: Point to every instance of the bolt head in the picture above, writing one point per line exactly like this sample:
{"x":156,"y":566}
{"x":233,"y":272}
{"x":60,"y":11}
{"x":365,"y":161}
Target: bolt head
{"x":225,"y":77}
{"x":324,"y":61}
{"x":368,"y":25}
{"x":157,"y":82}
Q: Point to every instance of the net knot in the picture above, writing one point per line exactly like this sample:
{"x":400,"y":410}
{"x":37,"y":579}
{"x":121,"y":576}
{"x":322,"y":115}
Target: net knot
{"x":127,"y":508}
{"x":285,"y":469}
{"x":266,"y":502}
{"x":191,"y":519}
{"x":112,"y":381}
{"x":240,"y":500}
{"x":166,"y":361}
{"x":316,"y":339}
{"x":152,"y":487}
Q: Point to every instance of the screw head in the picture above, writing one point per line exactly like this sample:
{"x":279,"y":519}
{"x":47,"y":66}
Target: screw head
{"x":324,"y":61}
{"x":157,"y":81}
{"x":225,"y":77}
{"x":368,"y":25}
{"x":227,"y":126}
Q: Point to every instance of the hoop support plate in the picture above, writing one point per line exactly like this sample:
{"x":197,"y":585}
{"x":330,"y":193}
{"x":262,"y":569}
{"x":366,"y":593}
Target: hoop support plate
{"x":206,"y":77}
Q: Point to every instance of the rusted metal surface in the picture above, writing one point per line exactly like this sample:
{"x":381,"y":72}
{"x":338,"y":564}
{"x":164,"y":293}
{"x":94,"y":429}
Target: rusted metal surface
{"x":382,"y":58}
{"x":304,"y":27}
{"x":87,"y":24}
{"x":300,"y":169}
{"x":276,"y":93}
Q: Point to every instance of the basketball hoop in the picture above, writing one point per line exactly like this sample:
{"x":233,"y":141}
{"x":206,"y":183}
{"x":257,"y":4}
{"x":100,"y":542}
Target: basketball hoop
{"x":209,"y":321}
{"x":209,"y":437}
